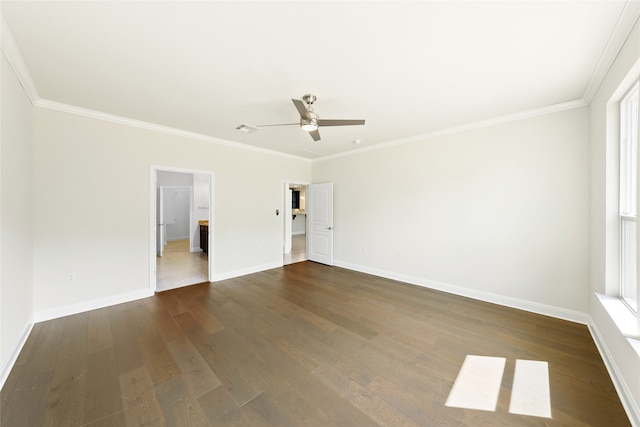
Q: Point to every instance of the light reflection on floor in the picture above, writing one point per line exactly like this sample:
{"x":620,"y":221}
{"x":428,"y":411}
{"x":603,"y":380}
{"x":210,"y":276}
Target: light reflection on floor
{"x":530,"y":394}
{"x":478,"y":383}
{"x":478,"y":386}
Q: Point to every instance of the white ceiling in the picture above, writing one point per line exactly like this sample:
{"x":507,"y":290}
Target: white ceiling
{"x":408,"y":68}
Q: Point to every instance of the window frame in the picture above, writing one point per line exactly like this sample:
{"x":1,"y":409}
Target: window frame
{"x":629,"y":127}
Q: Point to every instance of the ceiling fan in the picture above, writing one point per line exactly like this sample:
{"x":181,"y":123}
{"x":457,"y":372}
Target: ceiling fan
{"x":309,"y":120}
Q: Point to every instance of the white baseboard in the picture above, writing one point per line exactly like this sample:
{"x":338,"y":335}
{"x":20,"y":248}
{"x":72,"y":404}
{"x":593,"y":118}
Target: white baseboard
{"x":57,"y":312}
{"x":67,"y":310}
{"x":621,"y":387}
{"x":534,"y":307}
{"x":10,"y":360}
{"x":245,"y":271}
{"x":629,"y":404}
{"x":624,"y":393}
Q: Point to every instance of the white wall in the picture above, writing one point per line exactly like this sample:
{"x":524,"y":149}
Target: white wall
{"x":621,"y":356}
{"x":508,"y":211}
{"x":299,"y":224}
{"x":498,"y":213}
{"x":85,"y":167}
{"x":16,"y":238}
{"x":174,"y":179}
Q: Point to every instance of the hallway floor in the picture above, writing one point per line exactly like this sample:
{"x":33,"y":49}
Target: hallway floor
{"x":178,"y":267}
{"x":298,"y":249}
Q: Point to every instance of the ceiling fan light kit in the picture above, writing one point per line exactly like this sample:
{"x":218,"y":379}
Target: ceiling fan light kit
{"x":309,"y":125}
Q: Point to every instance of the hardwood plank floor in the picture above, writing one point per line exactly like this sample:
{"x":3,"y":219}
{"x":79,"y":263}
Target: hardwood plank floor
{"x":305,"y":344}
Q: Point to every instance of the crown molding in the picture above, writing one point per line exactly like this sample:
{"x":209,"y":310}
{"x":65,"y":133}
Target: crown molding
{"x":98,"y":115}
{"x":66,"y":108}
{"x":628,"y":18}
{"x":14,"y":57}
{"x":549,"y":109}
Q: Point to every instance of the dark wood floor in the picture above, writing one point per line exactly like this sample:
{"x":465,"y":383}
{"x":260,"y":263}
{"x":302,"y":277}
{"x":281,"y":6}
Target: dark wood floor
{"x":301,"y":345}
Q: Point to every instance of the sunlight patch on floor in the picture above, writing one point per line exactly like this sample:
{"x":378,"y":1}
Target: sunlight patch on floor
{"x":530,"y":393}
{"x":478,"y":386}
{"x":478,"y":383}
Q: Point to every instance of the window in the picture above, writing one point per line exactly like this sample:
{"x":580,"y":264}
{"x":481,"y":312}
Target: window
{"x":629,"y":123}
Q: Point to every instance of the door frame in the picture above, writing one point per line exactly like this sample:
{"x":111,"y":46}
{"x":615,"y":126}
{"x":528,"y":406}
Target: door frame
{"x":153,"y":169}
{"x":160,"y":231}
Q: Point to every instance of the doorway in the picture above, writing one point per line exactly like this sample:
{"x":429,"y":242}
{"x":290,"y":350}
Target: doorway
{"x":181,"y":209}
{"x":295,"y":223}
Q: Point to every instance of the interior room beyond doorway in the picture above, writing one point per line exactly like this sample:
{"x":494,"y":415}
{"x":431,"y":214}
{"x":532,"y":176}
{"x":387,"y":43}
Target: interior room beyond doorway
{"x":295,"y":239}
{"x":182,"y":256}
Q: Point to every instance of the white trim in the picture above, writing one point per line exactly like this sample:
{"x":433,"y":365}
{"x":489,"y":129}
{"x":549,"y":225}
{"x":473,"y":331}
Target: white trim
{"x":621,"y":315}
{"x":533,"y":307}
{"x":249,"y":270}
{"x":81,"y":307}
{"x":66,"y":108}
{"x":152,"y":229}
{"x":10,"y":361}
{"x":625,"y":395}
{"x":14,"y":57}
{"x":549,"y":109}
{"x":85,"y":112}
{"x":624,"y":26}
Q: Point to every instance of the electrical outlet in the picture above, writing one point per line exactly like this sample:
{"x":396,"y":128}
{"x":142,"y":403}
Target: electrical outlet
{"x":71,"y":277}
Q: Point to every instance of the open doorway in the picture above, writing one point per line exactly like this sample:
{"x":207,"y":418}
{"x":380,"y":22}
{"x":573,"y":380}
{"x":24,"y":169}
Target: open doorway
{"x":182,"y":222}
{"x":295,"y":223}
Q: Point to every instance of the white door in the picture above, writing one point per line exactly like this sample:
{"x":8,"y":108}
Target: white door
{"x":320,"y":216}
{"x":160,"y":225}
{"x":177,"y":213}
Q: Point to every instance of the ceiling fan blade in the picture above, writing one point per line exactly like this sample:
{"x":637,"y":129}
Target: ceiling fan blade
{"x":315,"y":135}
{"x":337,"y":122}
{"x":302,"y":110}
{"x":278,"y":124}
